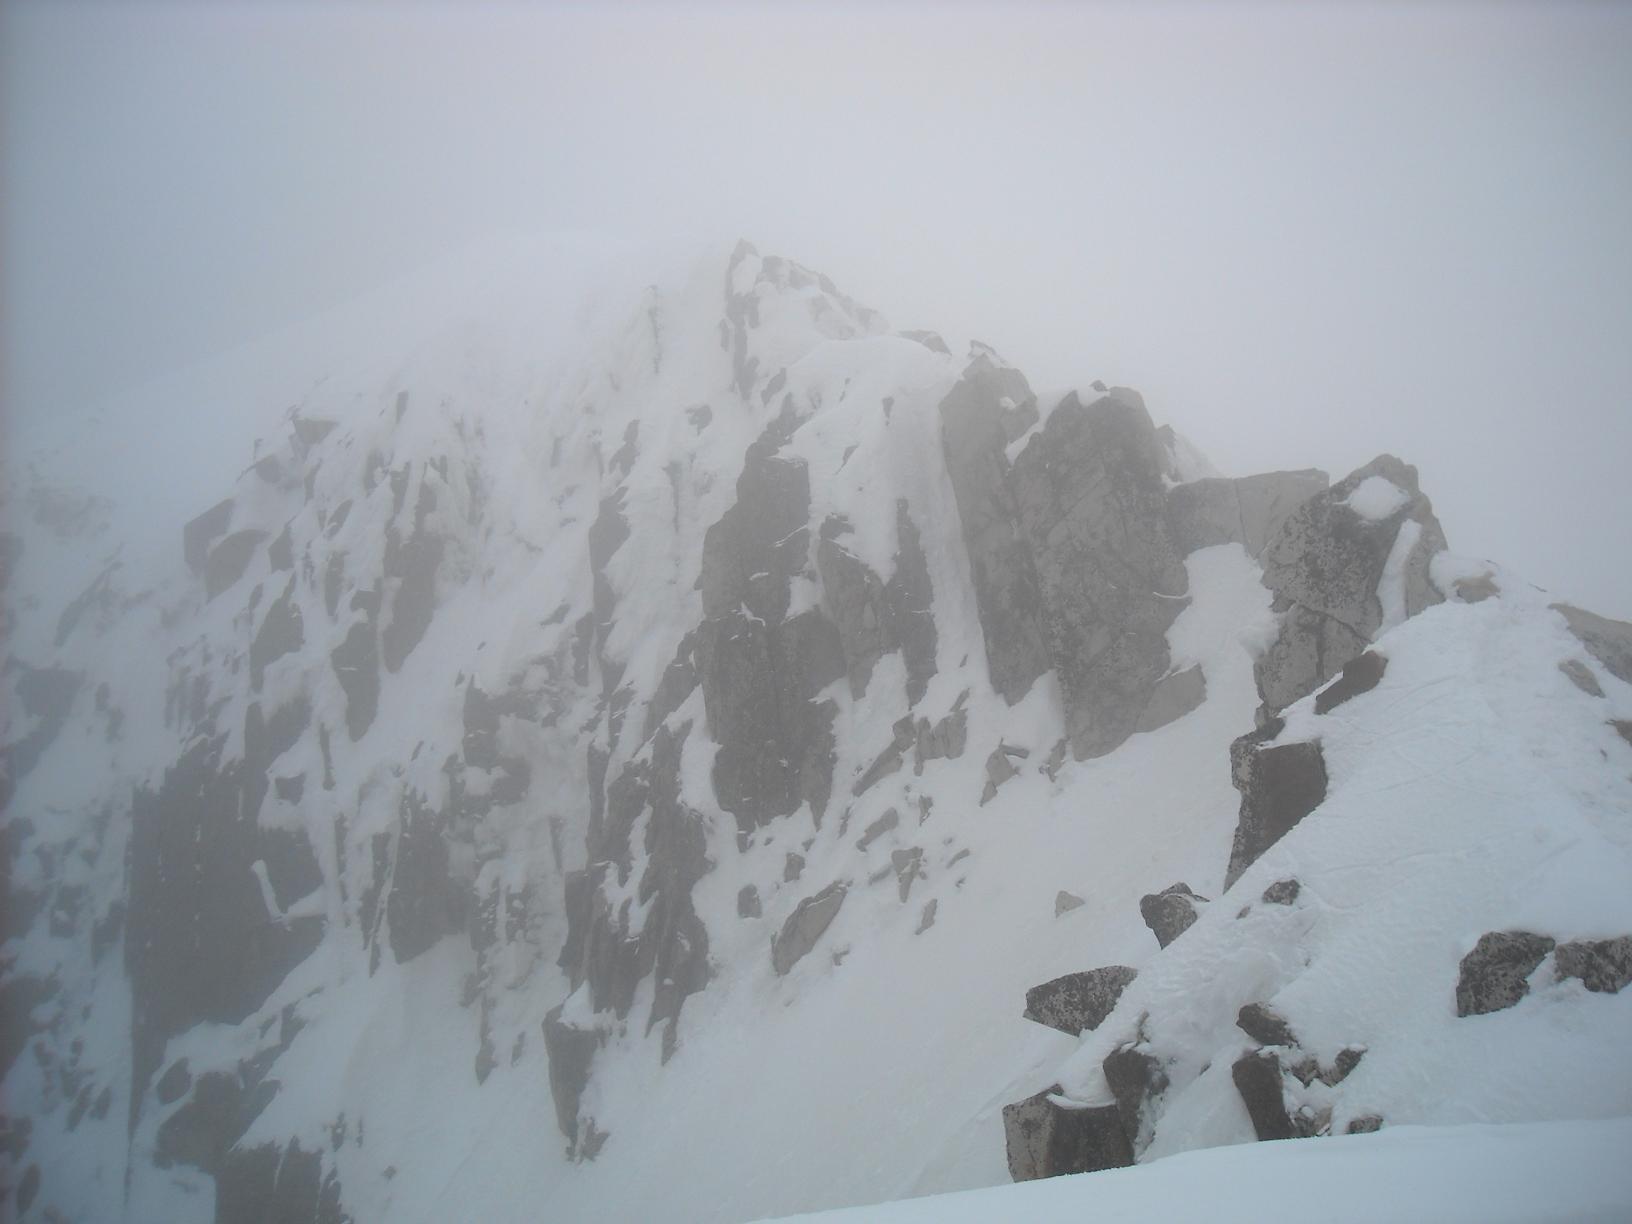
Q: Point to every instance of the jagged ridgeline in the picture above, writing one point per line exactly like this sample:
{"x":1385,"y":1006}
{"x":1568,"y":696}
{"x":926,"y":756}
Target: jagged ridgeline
{"x":640,"y":770}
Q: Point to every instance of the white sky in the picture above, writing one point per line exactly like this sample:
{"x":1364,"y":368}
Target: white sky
{"x":1307,"y":233}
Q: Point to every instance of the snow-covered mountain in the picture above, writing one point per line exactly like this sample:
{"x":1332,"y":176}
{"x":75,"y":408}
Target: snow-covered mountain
{"x":543,"y":743}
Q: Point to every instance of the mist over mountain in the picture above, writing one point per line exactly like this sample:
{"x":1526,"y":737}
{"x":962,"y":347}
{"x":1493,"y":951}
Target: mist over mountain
{"x":580,"y":734}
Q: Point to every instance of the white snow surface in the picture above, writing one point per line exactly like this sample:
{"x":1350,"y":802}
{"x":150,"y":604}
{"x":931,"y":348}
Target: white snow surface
{"x":1527,"y":1173}
{"x":1475,"y":788}
{"x":1375,"y":498}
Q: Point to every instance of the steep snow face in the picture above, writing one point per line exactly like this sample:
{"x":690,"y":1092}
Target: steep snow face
{"x":577,"y":743}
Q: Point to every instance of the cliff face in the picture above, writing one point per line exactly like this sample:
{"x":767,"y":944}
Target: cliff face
{"x":522,"y":750}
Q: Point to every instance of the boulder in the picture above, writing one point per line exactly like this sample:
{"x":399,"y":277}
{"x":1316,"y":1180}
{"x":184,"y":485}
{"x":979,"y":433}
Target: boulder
{"x":1170,"y":912}
{"x":1280,"y":784}
{"x":1494,"y":974}
{"x":1360,"y":675}
{"x":1047,"y":1139}
{"x":1078,"y":1002}
{"x":1065,"y":902}
{"x":1282,"y":892}
{"x":805,"y":925}
{"x":1265,"y":1025}
{"x":1135,"y":1077}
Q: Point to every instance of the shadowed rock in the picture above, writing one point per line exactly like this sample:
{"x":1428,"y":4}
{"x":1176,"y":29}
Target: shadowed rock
{"x":1078,"y":1002}
{"x":1249,"y":511}
{"x":1135,"y":1077}
{"x":1326,"y":566}
{"x":1360,"y":675}
{"x":1170,"y":912}
{"x":269,"y":1184}
{"x":1265,"y":1025}
{"x":805,"y":925}
{"x":1259,"y":1080}
{"x":1280,"y":784}
{"x":1282,"y":892}
{"x":1046,"y":1140}
{"x":1493,"y":975}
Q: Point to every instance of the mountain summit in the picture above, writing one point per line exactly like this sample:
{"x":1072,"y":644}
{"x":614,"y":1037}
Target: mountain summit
{"x":544,"y":743}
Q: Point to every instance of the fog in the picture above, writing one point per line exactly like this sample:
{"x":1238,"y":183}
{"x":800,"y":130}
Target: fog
{"x":1307,"y":234}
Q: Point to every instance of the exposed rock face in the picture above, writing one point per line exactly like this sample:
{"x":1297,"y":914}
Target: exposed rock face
{"x":1091,"y":498}
{"x":1046,"y":1140}
{"x":805,"y":925}
{"x":1608,"y":641}
{"x":1075,"y":567}
{"x":1249,"y":511}
{"x":269,"y":1184}
{"x":1259,"y":1079}
{"x":1282,"y":892}
{"x":1603,"y":965}
{"x":1493,"y":975}
{"x":1334,"y":560}
{"x":1280,"y":784}
{"x":987,"y":410}
{"x":1360,"y":675}
{"x":1078,"y":1002}
{"x":1171,"y":912}
{"x":1136,"y":1078}
{"x":571,"y":1050}
{"x":760,"y":668}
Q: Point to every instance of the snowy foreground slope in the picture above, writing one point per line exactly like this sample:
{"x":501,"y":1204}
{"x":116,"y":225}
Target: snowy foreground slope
{"x":1415,"y":1175}
{"x":544,"y":743}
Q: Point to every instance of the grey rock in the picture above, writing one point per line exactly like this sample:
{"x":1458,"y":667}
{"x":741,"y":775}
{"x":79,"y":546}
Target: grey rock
{"x":1581,"y":677}
{"x":571,"y":1051}
{"x":1365,"y":1124}
{"x":1136,"y":1078}
{"x":810,"y":918}
{"x":909,"y":865}
{"x":1078,"y":1002}
{"x":793,"y":867}
{"x":1170,"y":912}
{"x":1265,"y":1025}
{"x":1608,"y":641}
{"x":1174,"y":696}
{"x":1324,"y":567}
{"x":1065,"y":902}
{"x":282,"y":632}
{"x":1249,"y":511}
{"x":1623,"y":728}
{"x":999,"y":769}
{"x":889,"y":820}
{"x":1282,"y":892}
{"x":269,"y":1184}
{"x":1360,"y":675}
{"x":229,"y":560}
{"x":748,"y":902}
{"x":411,"y":565}
{"x":1603,"y":965}
{"x":203,"y":531}
{"x":1493,"y":975}
{"x":1261,"y":1082}
{"x":975,"y":430}
{"x":1092,"y":503}
{"x":1047,"y":1140}
{"x":927,"y":918}
{"x":1280,"y":784}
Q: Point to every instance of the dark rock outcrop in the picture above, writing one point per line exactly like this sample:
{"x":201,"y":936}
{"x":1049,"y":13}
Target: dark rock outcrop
{"x":1261,"y":1082}
{"x":1282,"y":892}
{"x":269,"y":1184}
{"x":1045,"y":1139}
{"x":1170,"y":912}
{"x":1603,"y":965}
{"x":1265,"y":1025}
{"x":1280,"y":784}
{"x":1493,"y":975}
{"x":805,"y":925}
{"x":1360,"y":675}
{"x":1136,"y":1078}
{"x":1326,"y":566}
{"x":570,"y":1050}
{"x":1078,"y":1002}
